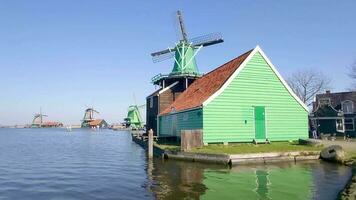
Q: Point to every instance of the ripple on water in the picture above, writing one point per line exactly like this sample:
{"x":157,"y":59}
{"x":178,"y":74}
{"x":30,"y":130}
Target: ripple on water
{"x":53,"y":164}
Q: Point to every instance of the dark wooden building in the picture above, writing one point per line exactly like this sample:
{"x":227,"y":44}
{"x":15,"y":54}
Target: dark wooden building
{"x":170,"y":88}
{"x":334,"y":113}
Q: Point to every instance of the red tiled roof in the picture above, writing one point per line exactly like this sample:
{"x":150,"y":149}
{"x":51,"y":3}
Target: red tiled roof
{"x":207,"y":85}
{"x":95,"y":122}
{"x":51,"y":123}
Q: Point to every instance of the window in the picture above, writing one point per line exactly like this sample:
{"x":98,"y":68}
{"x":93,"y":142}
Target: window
{"x":349,"y":124}
{"x":324,"y":101}
{"x":151,"y":102}
{"x":339,"y":125}
{"x":347,"y":106}
{"x":185,"y":116}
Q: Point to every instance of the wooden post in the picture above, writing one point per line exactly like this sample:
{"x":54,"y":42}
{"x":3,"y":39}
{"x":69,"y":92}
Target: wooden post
{"x":150,"y":143}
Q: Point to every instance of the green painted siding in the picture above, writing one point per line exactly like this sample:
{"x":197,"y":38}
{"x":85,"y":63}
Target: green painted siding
{"x":187,"y":120}
{"x":230,"y":116}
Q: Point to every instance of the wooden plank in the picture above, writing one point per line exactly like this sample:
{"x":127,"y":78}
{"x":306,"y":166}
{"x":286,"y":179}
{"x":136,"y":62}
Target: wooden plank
{"x":191,"y":139}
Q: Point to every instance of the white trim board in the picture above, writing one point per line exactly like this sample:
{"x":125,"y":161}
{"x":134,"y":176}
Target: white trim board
{"x":168,"y":87}
{"x":242,"y":66}
{"x":181,"y":111}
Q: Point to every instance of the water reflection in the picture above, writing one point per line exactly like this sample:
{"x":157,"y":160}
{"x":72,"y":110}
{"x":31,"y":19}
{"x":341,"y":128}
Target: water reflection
{"x":308,"y":180}
{"x":176,"y":180}
{"x":262,"y":184}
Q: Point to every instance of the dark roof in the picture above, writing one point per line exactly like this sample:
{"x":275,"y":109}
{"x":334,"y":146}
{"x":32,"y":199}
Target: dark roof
{"x":207,"y":85}
{"x":336,"y":98}
{"x":325,"y":111}
{"x":96,"y":122}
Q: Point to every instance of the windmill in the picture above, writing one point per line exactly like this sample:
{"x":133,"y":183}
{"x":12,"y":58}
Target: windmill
{"x":38,"y":119}
{"x":184,"y":72}
{"x":134,"y":118}
{"x":88,"y":116}
{"x":184,"y":53}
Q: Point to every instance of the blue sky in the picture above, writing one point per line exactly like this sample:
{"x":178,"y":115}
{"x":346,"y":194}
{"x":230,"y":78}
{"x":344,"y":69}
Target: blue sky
{"x":64,"y":55}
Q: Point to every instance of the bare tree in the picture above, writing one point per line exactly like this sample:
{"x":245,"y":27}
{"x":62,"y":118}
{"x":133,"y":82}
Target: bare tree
{"x":307,"y":83}
{"x":352,"y":75}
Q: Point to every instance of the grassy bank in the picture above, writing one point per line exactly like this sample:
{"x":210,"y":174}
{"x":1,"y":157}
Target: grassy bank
{"x":168,"y":146}
{"x":252,"y":148}
{"x":242,"y":148}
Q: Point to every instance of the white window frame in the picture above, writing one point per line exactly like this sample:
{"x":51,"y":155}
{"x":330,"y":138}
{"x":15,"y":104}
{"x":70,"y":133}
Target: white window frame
{"x":352,"y":106}
{"x":353,"y":124}
{"x":342,"y":125}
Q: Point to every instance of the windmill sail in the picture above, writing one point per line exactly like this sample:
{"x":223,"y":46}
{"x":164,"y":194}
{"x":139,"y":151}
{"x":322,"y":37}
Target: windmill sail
{"x":158,"y":53}
{"x":207,"y":40}
{"x":162,"y":55}
{"x":181,"y":26}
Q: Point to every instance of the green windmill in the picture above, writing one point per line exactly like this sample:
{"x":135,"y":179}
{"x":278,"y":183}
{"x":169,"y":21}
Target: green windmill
{"x":184,"y":53}
{"x":183,"y":74}
{"x":134,"y":118}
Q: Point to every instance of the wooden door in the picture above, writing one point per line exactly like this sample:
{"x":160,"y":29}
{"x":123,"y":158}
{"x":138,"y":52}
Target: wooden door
{"x":260,"y":124}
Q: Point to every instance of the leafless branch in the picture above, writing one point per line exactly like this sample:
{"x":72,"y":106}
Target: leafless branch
{"x":307,"y":83}
{"x":352,"y":75}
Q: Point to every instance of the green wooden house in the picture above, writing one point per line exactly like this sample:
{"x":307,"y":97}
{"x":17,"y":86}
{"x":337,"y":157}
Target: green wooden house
{"x":243,"y":100}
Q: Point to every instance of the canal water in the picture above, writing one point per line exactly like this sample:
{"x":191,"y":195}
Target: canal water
{"x":85,"y":164}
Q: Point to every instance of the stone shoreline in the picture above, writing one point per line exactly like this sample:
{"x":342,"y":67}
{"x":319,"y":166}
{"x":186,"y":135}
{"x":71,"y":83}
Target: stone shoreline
{"x":349,"y":192}
{"x":232,"y":159}
{"x":240,"y":159}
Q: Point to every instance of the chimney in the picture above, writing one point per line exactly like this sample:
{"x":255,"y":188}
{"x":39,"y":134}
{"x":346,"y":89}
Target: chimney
{"x":327,"y":92}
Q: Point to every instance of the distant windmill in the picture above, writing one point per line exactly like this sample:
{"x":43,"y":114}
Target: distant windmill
{"x":185,"y":51}
{"x":38,"y":119}
{"x":134,"y":117}
{"x":88,"y":116}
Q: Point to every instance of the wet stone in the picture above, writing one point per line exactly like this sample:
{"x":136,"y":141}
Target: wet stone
{"x":333,"y":153}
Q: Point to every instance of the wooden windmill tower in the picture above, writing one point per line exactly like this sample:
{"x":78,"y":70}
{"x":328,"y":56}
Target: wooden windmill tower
{"x":184,"y":71}
{"x":88,"y":117}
